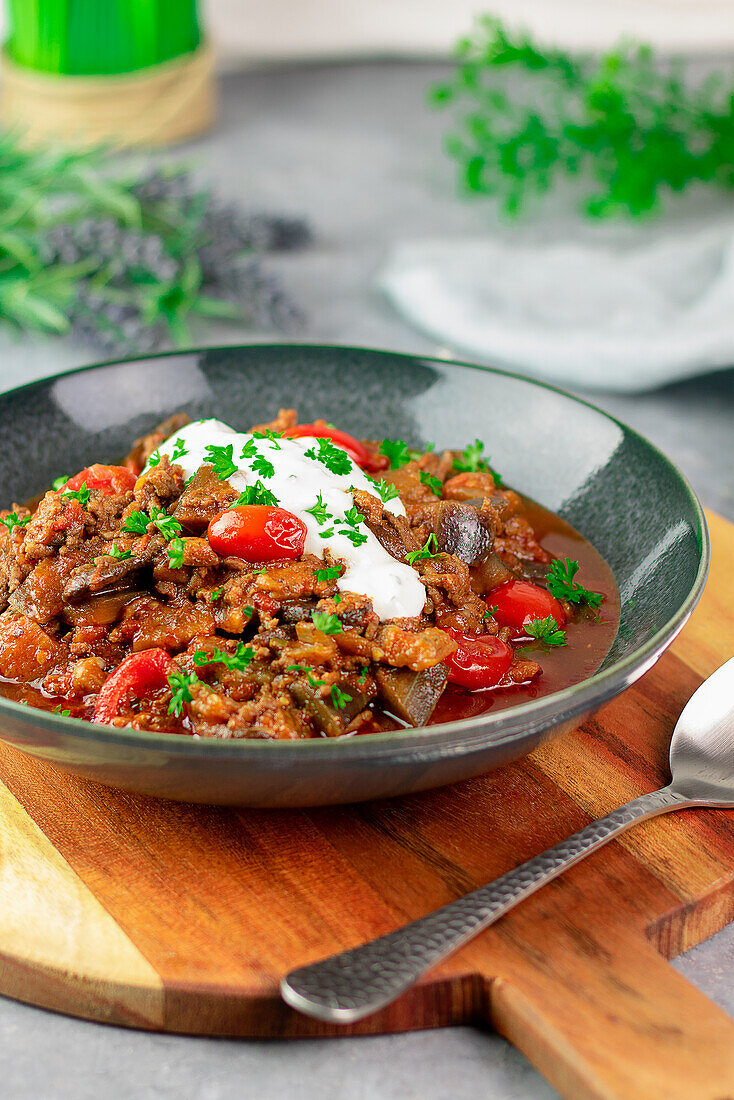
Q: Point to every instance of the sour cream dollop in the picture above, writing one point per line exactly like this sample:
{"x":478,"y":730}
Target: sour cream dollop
{"x":395,"y":589}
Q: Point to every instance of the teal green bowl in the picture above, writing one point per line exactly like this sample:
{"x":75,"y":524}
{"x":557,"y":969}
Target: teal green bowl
{"x":617,"y":489}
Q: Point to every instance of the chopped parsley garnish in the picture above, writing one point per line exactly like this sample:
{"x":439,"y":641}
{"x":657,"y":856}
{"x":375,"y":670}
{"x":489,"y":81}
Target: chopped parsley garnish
{"x":357,"y":538}
{"x":363,"y":674}
{"x":168,"y":526}
{"x":308,"y":669}
{"x":154,"y":457}
{"x":327,"y":622}
{"x":215,"y":594}
{"x":116,"y":552}
{"x":237,"y":662}
{"x":179,"y":450}
{"x":546,"y":631}
{"x":14,"y":520}
{"x":272,"y":436}
{"x":472,"y":460}
{"x":397,"y":451}
{"x":326,"y":534}
{"x":63,"y":713}
{"x":340,"y":698}
{"x":59,"y":482}
{"x":136,"y":523}
{"x":263,"y":466}
{"x":386,"y":490}
{"x":175,"y":551}
{"x":220,"y":459}
{"x":331,"y":456}
{"x":249,"y":450}
{"x":337,"y":598}
{"x":249,"y":611}
{"x":180,"y":684}
{"x":255,"y":494}
{"x":433,"y":483}
{"x":428,"y":550}
{"x":353,"y":517}
{"x":490,"y":612}
{"x":562,"y":585}
{"x":82,"y":495}
{"x":319,"y":511}
{"x":328,"y":573}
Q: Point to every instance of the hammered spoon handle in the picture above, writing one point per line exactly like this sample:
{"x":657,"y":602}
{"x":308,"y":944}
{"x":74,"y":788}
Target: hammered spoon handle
{"x":356,"y":983}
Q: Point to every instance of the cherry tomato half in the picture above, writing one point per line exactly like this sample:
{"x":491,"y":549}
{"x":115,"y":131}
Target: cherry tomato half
{"x":480,"y":660}
{"x":105,"y":479}
{"x":257,"y":532}
{"x":519,"y":602}
{"x":134,"y":677}
{"x":356,"y":450}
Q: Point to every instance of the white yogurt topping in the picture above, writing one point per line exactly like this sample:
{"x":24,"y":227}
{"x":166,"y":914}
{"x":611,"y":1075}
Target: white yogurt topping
{"x":394,"y":588}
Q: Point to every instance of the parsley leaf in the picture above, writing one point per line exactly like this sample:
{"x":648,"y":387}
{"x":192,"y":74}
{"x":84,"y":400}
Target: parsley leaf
{"x":154,"y":457}
{"x":357,"y":538}
{"x":14,"y":520}
{"x":237,"y":662}
{"x":136,"y":523}
{"x":352,"y":517}
{"x":328,"y":573}
{"x":179,"y":450}
{"x":385,"y":489}
{"x":82,"y":495}
{"x":255,"y":494}
{"x":116,"y":552}
{"x":331,"y":456}
{"x":363,"y":674}
{"x":473,"y":460}
{"x":249,"y":450}
{"x":546,"y":631}
{"x":270,"y":435}
{"x":428,"y":550}
{"x":167,"y":525}
{"x":215,"y":594}
{"x":326,"y":534}
{"x":175,"y":551}
{"x":562,"y":585}
{"x":59,"y":482}
{"x":63,"y":713}
{"x":327,"y":622}
{"x":263,"y":466}
{"x":397,"y":451}
{"x":490,"y":612}
{"x":340,"y":698}
{"x":220,"y":459}
{"x":433,"y":483}
{"x":180,"y":684}
{"x":319,"y":511}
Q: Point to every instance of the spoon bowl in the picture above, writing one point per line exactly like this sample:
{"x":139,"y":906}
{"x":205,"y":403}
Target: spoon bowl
{"x":702,"y":748}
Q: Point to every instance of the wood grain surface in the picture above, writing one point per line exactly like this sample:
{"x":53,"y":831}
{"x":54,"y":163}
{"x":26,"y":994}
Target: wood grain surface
{"x":184,"y":918}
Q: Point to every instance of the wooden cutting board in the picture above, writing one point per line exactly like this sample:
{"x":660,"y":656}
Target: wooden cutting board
{"x":182,"y":918}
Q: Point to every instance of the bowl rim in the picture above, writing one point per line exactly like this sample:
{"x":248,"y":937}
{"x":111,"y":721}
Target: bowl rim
{"x":498,"y":727}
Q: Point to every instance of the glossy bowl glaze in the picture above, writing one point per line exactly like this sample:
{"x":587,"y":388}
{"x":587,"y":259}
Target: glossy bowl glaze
{"x":607,"y":481}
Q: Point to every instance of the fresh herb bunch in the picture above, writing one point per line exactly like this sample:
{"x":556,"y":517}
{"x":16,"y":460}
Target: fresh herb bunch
{"x":127,"y":263}
{"x":634,"y":127}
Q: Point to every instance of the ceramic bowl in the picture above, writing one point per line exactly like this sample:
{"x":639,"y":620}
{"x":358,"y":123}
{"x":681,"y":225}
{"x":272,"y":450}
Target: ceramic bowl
{"x":612,"y":485}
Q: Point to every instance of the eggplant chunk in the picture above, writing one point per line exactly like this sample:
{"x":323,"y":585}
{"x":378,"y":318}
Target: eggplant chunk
{"x":464,"y":531}
{"x":330,"y":721}
{"x":106,"y":572}
{"x":410,"y":695}
{"x":489,"y":574}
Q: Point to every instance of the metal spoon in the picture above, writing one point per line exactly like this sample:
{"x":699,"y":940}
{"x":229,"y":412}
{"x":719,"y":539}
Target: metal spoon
{"x":354,"y":984}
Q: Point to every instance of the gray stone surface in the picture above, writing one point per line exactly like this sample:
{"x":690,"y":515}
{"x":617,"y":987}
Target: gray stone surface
{"x":353,"y":148}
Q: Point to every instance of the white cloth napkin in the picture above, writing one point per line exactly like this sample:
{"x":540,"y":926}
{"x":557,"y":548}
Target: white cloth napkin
{"x":581,"y":314}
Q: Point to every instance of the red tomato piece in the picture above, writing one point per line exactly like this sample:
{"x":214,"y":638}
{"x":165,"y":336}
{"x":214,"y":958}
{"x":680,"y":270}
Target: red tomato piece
{"x":134,"y":677}
{"x":480,"y":660}
{"x":105,"y":479}
{"x":519,"y":602}
{"x":356,"y":450}
{"x":257,"y":532}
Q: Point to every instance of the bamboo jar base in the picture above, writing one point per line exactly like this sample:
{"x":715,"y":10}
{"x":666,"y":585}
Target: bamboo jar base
{"x":162,"y":105}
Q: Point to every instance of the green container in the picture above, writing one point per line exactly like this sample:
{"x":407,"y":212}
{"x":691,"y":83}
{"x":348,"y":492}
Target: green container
{"x":100,"y":37}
